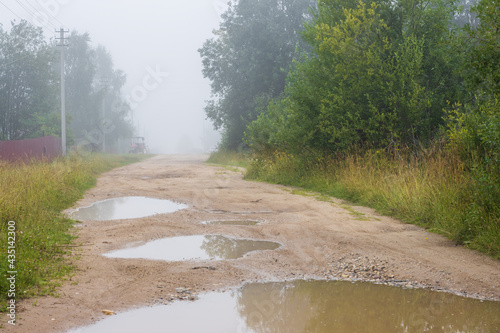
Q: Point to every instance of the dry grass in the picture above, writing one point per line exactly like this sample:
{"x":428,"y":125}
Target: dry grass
{"x":33,"y":195}
{"x":432,"y":187}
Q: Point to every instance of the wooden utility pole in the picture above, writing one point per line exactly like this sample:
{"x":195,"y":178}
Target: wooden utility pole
{"x":104,"y":84}
{"x":62,"y":45}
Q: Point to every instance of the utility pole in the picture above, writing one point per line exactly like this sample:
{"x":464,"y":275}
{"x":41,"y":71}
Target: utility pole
{"x":62,"y":45}
{"x":104,"y":84}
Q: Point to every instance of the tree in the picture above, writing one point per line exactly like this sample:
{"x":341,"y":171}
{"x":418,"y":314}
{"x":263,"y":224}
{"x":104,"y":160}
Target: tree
{"x":94,"y":99}
{"x":474,"y":126}
{"x":28,"y":83}
{"x":380,"y":75}
{"x":249,"y":58}
{"x":29,"y":88}
{"x":482,"y":48}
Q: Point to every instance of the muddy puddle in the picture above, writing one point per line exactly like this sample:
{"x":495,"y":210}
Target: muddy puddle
{"x":126,"y":208}
{"x":204,"y":247}
{"x":232,"y":222}
{"x":311,"y":306}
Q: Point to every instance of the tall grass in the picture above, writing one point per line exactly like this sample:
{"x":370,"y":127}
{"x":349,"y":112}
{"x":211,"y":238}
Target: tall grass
{"x":228,"y":157}
{"x":432,"y":187}
{"x":33,"y":195}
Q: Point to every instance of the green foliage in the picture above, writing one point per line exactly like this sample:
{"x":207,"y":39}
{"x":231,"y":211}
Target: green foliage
{"x":352,"y":53}
{"x":474,"y":127}
{"x":28,"y":83}
{"x":33,"y":196}
{"x":248,"y":58}
{"x":92,"y":83}
{"x":30,"y":88}
{"x":482,"y":48}
{"x":378,"y":77}
{"x":229,"y":158}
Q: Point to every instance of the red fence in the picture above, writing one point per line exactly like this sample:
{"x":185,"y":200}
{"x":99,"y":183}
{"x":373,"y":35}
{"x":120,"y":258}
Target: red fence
{"x":47,"y":147}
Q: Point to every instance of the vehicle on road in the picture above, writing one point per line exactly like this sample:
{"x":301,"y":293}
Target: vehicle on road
{"x":138,"y":145}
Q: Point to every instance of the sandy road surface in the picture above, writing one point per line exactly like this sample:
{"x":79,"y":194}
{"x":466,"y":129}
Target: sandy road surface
{"x":320,"y":240}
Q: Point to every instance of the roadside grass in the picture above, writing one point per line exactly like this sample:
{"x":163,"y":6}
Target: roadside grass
{"x":229,"y":158}
{"x":33,"y":196}
{"x":433,"y":188}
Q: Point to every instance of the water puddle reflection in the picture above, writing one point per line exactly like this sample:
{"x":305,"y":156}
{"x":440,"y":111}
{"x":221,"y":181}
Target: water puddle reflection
{"x":311,"y":306}
{"x":232,"y":222}
{"x":126,"y":208}
{"x":194,"y":248}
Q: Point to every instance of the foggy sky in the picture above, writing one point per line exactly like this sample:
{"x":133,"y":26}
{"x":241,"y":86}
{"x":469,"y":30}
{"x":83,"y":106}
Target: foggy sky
{"x":155,"y":43}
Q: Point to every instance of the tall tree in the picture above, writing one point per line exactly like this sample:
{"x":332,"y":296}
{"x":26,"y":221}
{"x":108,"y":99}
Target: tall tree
{"x":380,"y":74}
{"x":27,"y":82}
{"x":81,"y":99}
{"x":29,"y":88}
{"x":93,"y":93}
{"x":110,"y":81}
{"x":248,"y":59}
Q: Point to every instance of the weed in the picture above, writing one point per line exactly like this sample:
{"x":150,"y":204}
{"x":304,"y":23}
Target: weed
{"x":431,"y":187}
{"x":228,"y":158}
{"x":33,"y":196}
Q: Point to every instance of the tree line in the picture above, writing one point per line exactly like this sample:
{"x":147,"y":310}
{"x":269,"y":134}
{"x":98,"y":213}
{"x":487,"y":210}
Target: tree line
{"x":296,"y":74}
{"x":383,"y":74}
{"x":30,"y":88}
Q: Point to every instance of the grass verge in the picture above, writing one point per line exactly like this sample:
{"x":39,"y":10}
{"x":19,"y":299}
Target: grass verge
{"x":31,"y":200}
{"x":433,"y":188}
{"x":230,"y":158}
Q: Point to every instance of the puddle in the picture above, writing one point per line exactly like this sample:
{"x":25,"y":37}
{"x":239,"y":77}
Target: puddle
{"x":311,"y":306}
{"x":232,"y":222}
{"x":126,"y":208}
{"x":194,"y":248}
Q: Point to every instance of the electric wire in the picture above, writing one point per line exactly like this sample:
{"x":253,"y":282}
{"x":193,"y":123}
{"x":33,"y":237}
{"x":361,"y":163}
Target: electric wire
{"x":47,"y":12}
{"x":17,"y":15}
{"x":48,"y":23}
{"x":10,"y":10}
{"x":34,"y":11}
{"x":33,"y":15}
{"x":20,"y":18}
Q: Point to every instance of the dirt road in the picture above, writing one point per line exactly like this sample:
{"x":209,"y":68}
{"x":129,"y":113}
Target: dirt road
{"x":326,"y":240}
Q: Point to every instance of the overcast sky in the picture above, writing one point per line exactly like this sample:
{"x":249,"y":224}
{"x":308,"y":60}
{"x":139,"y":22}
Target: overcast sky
{"x":150,"y":40}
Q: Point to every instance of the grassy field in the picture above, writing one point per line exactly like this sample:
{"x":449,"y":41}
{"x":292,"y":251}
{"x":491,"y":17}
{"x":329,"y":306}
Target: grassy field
{"x":432,"y":188}
{"x":31,"y":199}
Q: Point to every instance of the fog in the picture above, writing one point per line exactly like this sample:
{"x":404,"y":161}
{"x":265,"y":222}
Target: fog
{"x":155,"y":43}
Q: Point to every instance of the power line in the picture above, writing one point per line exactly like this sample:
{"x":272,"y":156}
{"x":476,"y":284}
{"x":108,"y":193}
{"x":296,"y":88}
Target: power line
{"x":47,"y":12}
{"x":21,"y":39}
{"x":10,"y":10}
{"x":33,"y":15}
{"x":20,"y":18}
{"x":47,"y":23}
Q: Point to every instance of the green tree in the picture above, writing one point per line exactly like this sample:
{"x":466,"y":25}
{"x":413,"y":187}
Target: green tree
{"x":94,"y":98}
{"x":481,"y":45}
{"x":28,"y":83}
{"x":29,"y":88}
{"x":474,"y":127}
{"x":380,"y":75}
{"x":114,"y":118}
{"x":248,"y":58}
{"x":82,"y":102}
